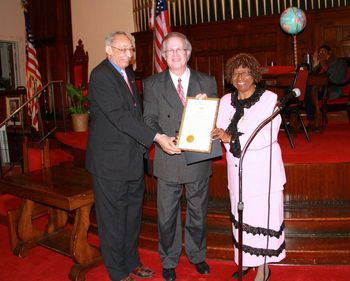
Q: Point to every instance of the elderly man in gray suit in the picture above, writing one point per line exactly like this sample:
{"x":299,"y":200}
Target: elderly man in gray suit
{"x":164,"y":96}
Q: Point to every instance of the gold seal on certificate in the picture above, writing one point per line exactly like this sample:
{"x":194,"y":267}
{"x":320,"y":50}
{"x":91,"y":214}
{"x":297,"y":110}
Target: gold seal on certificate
{"x":190,"y":138}
{"x":198,"y":120}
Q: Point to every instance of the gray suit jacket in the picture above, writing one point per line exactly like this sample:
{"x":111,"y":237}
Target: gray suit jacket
{"x":163,"y":112}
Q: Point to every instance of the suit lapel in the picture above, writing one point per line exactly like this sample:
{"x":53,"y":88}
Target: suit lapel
{"x":194,"y":86}
{"x":117,"y":75}
{"x":135,"y":94}
{"x":122,"y":84}
{"x":170,"y":93}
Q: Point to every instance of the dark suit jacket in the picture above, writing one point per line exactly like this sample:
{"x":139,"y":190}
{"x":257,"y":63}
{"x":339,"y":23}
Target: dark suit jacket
{"x":163,"y":112}
{"x":118,"y":136}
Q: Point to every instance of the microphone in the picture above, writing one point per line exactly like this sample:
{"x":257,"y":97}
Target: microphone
{"x":285,"y":99}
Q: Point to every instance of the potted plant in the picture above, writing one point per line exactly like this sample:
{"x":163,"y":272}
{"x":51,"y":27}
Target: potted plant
{"x":78,"y":107}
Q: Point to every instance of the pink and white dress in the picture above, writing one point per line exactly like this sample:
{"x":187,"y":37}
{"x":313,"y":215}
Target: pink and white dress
{"x":263,"y":235}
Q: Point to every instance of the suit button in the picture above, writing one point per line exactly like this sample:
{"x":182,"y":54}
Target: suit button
{"x":168,"y":116}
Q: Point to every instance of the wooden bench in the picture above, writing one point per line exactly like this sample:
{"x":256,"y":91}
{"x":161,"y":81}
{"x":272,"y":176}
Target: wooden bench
{"x":62,"y":189}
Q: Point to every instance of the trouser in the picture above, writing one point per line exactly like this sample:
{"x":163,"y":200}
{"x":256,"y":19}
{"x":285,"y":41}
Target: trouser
{"x":118,"y":210}
{"x":169,"y":221}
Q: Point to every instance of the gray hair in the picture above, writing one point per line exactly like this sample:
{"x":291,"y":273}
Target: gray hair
{"x":110,"y":37}
{"x":187,"y":43}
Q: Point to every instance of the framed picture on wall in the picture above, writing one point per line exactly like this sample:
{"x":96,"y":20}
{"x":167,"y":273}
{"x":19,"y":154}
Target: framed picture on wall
{"x":13,"y":103}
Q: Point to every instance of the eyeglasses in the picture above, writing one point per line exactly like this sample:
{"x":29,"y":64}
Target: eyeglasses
{"x":172,"y":52}
{"x":124,"y":50}
{"x":243,"y":75}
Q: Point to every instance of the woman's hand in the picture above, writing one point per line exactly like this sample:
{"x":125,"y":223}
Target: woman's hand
{"x":218,"y":133}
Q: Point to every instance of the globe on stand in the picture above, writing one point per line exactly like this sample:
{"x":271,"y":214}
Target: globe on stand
{"x":293,"y":21}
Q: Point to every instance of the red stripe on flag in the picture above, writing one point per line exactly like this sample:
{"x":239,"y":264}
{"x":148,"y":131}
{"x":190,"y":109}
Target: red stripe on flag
{"x":161,"y":29}
{"x":33,"y":83}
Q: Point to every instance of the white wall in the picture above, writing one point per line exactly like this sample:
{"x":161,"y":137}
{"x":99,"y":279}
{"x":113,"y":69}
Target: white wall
{"x":12,"y":29}
{"x":92,"y":20}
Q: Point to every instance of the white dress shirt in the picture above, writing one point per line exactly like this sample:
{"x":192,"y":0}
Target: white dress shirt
{"x":185,"y":79}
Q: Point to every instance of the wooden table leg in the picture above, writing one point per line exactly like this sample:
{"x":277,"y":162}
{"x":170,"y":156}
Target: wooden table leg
{"x":27,"y":233}
{"x":85,"y":255}
{"x":315,"y":103}
{"x":57,"y":219}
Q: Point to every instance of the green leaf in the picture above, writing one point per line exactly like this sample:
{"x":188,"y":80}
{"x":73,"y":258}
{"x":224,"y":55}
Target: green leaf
{"x":78,"y":102}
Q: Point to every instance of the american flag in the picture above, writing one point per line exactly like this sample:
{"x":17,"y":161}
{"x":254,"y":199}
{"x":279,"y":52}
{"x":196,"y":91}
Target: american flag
{"x":32,"y":70}
{"x":161,"y":29}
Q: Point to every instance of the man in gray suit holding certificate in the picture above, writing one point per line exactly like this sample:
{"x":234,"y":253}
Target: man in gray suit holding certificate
{"x":164,"y":97}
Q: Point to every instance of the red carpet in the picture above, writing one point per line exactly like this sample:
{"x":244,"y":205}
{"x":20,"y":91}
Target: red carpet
{"x":43,"y":264}
{"x":328,"y":146}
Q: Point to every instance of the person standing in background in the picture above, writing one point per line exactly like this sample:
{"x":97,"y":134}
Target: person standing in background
{"x":164,"y":97}
{"x":117,"y":143}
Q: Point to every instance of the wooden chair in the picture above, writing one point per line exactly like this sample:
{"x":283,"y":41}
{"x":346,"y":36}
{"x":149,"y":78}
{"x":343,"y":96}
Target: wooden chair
{"x":340,"y":104}
{"x":36,"y":156}
{"x":80,"y":66}
{"x":296,"y":105}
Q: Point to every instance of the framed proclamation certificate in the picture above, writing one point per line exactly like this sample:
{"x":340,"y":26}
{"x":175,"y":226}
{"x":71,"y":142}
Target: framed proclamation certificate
{"x":198,"y":120}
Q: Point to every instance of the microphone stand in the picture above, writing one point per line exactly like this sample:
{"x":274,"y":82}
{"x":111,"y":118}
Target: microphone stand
{"x":240,"y":176}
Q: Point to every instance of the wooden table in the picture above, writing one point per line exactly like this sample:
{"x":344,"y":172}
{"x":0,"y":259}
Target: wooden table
{"x":63,"y":189}
{"x":279,"y":82}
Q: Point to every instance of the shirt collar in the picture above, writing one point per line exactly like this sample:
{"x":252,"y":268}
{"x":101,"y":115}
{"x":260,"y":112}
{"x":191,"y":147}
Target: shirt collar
{"x":117,"y":67}
{"x":184,"y":77}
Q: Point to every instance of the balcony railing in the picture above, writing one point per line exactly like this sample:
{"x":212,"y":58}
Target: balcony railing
{"x":185,"y":12}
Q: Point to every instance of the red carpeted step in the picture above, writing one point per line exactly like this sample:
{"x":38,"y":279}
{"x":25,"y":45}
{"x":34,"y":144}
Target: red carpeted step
{"x":326,"y":220}
{"x":318,"y":250}
{"x":43,"y":264}
{"x":314,"y":235}
{"x":57,"y":156}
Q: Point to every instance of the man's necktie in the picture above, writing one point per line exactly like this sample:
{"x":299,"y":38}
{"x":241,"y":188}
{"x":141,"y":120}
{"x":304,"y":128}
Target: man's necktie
{"x":126,"y":80}
{"x":180,"y":91}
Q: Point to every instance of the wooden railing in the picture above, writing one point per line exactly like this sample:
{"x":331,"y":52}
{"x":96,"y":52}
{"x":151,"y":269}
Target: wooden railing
{"x":185,"y":12}
{"x":51,"y":111}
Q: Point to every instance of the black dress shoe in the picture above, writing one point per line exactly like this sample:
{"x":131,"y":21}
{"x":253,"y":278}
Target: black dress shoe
{"x":202,"y":267}
{"x":235,"y":275}
{"x":169,"y":274}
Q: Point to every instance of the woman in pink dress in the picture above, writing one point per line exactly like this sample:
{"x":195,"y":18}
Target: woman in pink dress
{"x":263,"y":176}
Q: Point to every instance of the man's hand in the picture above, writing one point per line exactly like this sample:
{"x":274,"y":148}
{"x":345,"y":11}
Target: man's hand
{"x":167,"y":144}
{"x":201,"y":96}
{"x":218,"y":133}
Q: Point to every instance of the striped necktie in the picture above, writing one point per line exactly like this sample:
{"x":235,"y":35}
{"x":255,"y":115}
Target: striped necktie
{"x":126,"y":80}
{"x":180,"y":91}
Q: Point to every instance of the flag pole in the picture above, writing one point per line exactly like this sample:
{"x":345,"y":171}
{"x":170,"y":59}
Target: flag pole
{"x":153,"y":49}
{"x":151,"y":25}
